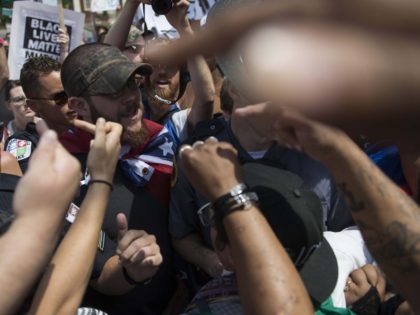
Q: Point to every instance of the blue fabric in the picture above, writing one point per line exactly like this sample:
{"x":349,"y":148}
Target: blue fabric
{"x":160,"y":150}
{"x":388,"y":160}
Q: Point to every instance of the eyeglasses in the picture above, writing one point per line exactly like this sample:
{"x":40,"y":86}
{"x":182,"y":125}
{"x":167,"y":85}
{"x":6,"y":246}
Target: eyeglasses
{"x":135,"y":49}
{"x":19,"y":100}
{"x":206,"y":214}
{"x":60,"y":98}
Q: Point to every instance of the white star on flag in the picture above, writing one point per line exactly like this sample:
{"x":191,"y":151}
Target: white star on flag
{"x":166,"y":148}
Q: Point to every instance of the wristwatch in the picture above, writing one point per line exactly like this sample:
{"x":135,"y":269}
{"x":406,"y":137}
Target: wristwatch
{"x":238,"y":198}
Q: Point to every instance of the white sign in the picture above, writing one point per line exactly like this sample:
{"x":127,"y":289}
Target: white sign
{"x":50,"y":2}
{"x":103,"y":5}
{"x":35,"y":31}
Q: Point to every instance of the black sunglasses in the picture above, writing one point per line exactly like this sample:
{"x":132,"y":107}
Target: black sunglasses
{"x":60,"y":98}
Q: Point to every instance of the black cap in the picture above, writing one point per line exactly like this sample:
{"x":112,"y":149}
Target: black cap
{"x":295,"y":215}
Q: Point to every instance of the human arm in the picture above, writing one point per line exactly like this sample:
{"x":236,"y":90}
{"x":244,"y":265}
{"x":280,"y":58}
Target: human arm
{"x":40,"y":203}
{"x":64,"y":41}
{"x":137,"y":252}
{"x":193,"y":250}
{"x":118,"y":33}
{"x":59,"y":293}
{"x":388,"y":219}
{"x":4,"y":68}
{"x":268,"y":281}
{"x":379,"y":68}
{"x":110,"y":280}
{"x":201,"y":77}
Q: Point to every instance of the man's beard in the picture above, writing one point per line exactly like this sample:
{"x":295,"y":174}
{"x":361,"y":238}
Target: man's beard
{"x":158,"y":107}
{"x":135,"y":138}
{"x":132,"y":138}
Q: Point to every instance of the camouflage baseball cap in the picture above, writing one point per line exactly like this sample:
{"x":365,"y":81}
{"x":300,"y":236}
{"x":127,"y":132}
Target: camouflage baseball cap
{"x":133,"y":36}
{"x":98,"y":69}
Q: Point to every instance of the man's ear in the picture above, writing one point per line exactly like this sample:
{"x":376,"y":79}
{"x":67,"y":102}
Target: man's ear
{"x":33,"y":105}
{"x":80,"y":105}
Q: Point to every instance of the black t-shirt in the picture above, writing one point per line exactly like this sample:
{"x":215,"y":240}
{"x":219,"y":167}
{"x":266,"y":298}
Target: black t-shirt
{"x":22,"y":145}
{"x":144,"y":212}
{"x":8,"y":185}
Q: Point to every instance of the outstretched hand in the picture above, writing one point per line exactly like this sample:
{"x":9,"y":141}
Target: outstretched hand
{"x":290,"y":128}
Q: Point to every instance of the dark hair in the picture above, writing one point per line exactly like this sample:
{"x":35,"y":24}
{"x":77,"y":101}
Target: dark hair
{"x":11,"y":84}
{"x":35,"y":67}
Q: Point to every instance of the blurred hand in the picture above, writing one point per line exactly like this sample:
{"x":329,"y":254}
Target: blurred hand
{"x":63,"y":39}
{"x":291,"y":129}
{"x":178,"y":18}
{"x":221,"y":177}
{"x":51,"y":181}
{"x":138,"y":251}
{"x":104,"y":150}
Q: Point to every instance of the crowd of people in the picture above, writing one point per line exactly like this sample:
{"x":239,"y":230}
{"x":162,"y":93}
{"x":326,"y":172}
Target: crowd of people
{"x":263,"y":163}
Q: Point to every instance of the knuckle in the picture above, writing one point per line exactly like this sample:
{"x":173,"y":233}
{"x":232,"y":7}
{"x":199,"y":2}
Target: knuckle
{"x":152,"y":238}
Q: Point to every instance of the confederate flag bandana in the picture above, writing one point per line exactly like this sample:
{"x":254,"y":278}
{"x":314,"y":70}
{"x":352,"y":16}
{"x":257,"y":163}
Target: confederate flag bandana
{"x":156,"y":154}
{"x":154,"y":157}
{"x":151,"y":163}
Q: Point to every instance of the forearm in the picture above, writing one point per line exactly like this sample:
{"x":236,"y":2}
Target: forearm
{"x":118,"y":33}
{"x":268,"y":281}
{"x":25,"y":249}
{"x":111,"y":280}
{"x":193,"y":250}
{"x":388,"y":219}
{"x":4,"y":68}
{"x":233,"y":27}
{"x":63,"y":285}
{"x":204,"y":90}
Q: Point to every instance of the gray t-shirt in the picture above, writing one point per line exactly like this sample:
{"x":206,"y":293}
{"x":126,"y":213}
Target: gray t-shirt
{"x":185,"y":200}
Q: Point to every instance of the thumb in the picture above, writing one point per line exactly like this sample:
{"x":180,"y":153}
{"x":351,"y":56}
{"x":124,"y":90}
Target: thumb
{"x":44,"y":157}
{"x":122,"y":225}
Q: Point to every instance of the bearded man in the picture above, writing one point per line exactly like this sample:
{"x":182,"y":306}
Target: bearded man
{"x":101,"y":82}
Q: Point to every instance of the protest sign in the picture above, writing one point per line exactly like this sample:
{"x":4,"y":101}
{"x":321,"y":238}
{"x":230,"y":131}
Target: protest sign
{"x":34,"y":32}
{"x":50,"y":2}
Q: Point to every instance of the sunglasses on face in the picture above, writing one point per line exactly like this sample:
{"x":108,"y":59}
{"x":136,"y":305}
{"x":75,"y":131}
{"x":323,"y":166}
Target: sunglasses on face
{"x":60,"y":98}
